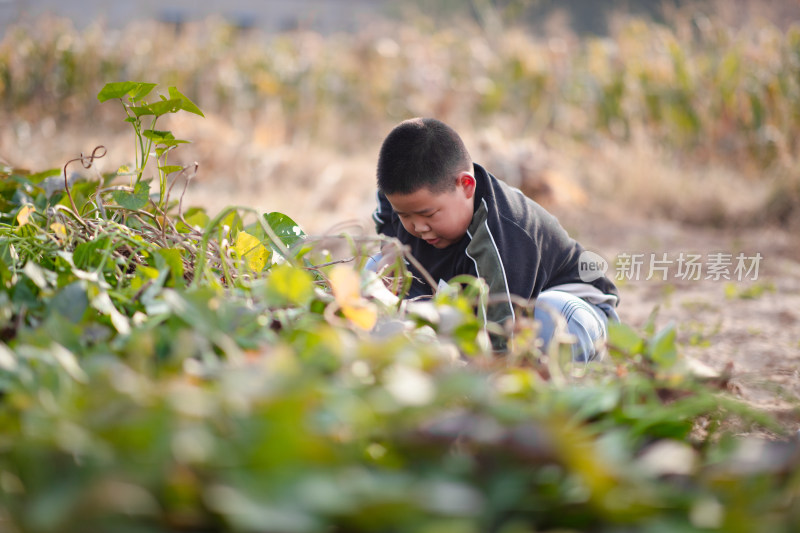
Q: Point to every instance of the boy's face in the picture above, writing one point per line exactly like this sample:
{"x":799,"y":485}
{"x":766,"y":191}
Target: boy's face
{"x":441,"y":219}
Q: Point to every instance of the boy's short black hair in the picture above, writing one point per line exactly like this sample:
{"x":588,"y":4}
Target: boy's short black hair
{"x":421,"y":152}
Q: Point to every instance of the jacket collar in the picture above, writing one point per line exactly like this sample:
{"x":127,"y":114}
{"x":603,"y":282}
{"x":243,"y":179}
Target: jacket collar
{"x":482,"y":187}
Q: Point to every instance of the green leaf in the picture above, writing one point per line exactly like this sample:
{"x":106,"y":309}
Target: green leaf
{"x":40,"y":176}
{"x":169,"y":169}
{"x":147,"y":273}
{"x":71,"y":301}
{"x":25,"y":293}
{"x":68,"y":362}
{"x":6,"y":274}
{"x":286,"y":229}
{"x":649,"y":327}
{"x":141,"y":91}
{"x":133,"y":200}
{"x":163,"y":138}
{"x":158,"y":108}
{"x":623,"y":339}
{"x":81,"y":192}
{"x":141,"y":111}
{"x":195,"y":217}
{"x":86,"y":254}
{"x":234,"y":223}
{"x":173,"y":259}
{"x":589,"y":402}
{"x":170,"y":143}
{"x":116,"y":90}
{"x":158,"y":136}
{"x":662,"y":347}
{"x":287,"y":285}
{"x":187,"y":104}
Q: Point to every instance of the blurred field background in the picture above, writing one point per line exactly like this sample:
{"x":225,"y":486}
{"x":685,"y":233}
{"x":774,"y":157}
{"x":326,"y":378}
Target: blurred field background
{"x":645,"y":126}
{"x":689,"y":113}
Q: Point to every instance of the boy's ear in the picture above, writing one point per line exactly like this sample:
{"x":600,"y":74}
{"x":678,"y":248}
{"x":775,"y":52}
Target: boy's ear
{"x":467,"y":182}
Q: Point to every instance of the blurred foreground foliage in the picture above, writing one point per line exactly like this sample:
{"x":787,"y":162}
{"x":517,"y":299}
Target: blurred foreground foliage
{"x":163,"y":369}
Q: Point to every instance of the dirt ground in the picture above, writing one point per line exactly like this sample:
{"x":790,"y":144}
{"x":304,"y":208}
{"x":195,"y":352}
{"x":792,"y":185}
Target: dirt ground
{"x":750,"y":328}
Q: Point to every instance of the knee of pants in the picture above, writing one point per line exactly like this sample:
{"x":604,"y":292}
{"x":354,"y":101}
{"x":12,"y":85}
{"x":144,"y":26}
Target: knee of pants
{"x":579,"y":318}
{"x":373,"y":262}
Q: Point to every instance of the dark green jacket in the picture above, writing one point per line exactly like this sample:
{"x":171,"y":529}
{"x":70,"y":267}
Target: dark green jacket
{"x":513,"y":243}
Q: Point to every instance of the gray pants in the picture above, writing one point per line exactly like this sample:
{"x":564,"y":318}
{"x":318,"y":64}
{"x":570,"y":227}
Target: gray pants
{"x":587,"y":322}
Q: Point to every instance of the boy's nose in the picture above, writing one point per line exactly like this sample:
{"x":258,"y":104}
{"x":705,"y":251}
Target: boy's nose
{"x":421,"y":227}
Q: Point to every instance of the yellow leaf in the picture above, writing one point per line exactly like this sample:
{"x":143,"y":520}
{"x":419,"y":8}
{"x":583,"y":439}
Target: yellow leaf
{"x":24,"y":214}
{"x":364,"y":315}
{"x":252,"y":251}
{"x":147,"y":272}
{"x":346,"y":287}
{"x":289,"y":285}
{"x":345,"y":284}
{"x":60,"y":230}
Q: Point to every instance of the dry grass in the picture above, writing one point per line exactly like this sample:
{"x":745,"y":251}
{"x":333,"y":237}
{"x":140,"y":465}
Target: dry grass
{"x":294,"y":121}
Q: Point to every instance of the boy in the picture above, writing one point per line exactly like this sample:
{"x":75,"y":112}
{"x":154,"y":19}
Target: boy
{"x":459,"y":219}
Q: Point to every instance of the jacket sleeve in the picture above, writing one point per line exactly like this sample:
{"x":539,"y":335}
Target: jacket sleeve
{"x":519,"y":256}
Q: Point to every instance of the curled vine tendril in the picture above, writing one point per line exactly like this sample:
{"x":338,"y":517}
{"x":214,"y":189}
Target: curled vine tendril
{"x":86,"y":161}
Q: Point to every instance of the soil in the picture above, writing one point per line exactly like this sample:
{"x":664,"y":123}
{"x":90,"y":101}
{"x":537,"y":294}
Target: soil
{"x":749,"y":328}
